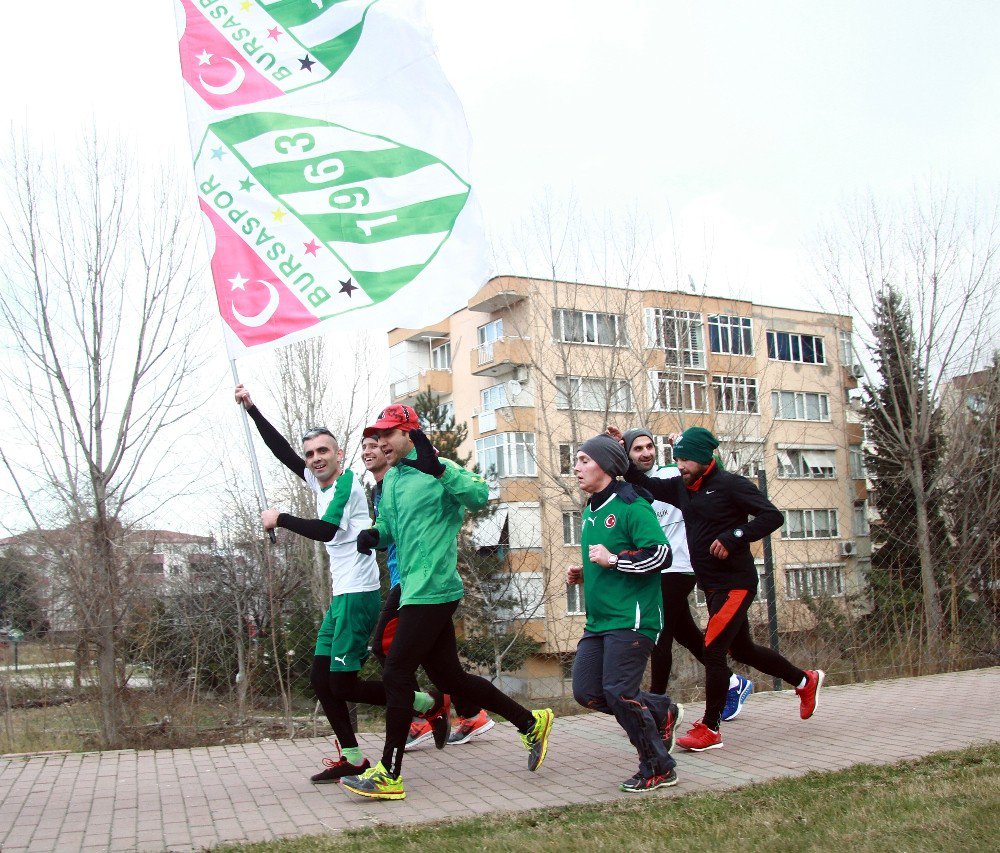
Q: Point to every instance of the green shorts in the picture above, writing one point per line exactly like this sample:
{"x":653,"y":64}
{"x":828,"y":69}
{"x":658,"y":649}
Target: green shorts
{"x":347,"y":628}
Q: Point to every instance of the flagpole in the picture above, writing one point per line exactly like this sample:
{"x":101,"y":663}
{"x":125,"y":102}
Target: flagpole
{"x":258,"y":482}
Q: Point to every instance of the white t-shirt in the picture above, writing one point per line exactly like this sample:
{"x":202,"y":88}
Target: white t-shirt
{"x":672,"y":523}
{"x":345,"y":504}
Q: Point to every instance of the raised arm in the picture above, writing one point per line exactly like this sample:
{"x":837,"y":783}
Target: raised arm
{"x":274,"y":440}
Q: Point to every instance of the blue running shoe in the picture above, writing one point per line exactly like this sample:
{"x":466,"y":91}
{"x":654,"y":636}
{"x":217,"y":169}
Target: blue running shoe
{"x":736,"y":697}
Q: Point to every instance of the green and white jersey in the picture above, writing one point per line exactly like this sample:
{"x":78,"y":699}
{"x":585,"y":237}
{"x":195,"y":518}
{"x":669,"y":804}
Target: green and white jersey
{"x":672,"y":522}
{"x":345,"y":504}
{"x":617,"y":599}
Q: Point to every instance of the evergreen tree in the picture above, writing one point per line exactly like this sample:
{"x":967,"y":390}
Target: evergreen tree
{"x":901,"y":444}
{"x":438,"y":421}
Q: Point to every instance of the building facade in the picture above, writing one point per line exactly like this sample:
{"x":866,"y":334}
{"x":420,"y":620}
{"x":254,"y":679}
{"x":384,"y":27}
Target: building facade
{"x":535,"y":367}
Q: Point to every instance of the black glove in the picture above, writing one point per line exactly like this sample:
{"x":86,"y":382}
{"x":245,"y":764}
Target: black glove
{"x":427,"y":461}
{"x":367,"y":539}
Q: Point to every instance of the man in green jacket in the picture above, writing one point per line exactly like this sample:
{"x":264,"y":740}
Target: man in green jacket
{"x":421,"y":511}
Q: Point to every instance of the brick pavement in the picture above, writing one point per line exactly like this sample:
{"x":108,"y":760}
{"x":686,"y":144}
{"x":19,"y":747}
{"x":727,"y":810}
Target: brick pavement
{"x":191,"y":799}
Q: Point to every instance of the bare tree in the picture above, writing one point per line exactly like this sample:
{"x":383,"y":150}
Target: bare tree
{"x":101,"y":306}
{"x":932,"y":265}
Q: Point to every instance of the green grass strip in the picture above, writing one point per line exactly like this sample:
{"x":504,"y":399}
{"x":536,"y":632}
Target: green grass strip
{"x":949,"y":801}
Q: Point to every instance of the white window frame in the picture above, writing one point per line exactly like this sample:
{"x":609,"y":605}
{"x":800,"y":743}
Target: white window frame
{"x":796,"y":350}
{"x":807,"y":526}
{"x":664,"y":450}
{"x":814,"y":579}
{"x":862,"y":524}
{"x":527,"y":587}
{"x":848,"y":352}
{"x":733,"y":333}
{"x":735,"y":395}
{"x":566,"y":470}
{"x":490,"y":332}
{"x":493,"y":397}
{"x":592,"y":325}
{"x":856,"y":462}
{"x":572,"y":526}
{"x":441,"y":356}
{"x":602,"y":394}
{"x":800,"y":406}
{"x":576,"y":603}
{"x":508,"y":454}
{"x":794,"y":464}
{"x":665,"y":386}
{"x":680,"y":334}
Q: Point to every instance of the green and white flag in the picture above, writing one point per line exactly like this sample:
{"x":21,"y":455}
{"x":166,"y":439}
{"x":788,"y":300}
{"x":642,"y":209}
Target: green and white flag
{"x":332,"y":165}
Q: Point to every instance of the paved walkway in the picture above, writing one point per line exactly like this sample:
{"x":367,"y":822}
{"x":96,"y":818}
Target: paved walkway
{"x":195,"y":798}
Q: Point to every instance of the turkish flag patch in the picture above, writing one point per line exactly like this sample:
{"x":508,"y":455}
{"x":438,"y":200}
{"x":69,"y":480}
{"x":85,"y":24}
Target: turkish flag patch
{"x":610,"y":521}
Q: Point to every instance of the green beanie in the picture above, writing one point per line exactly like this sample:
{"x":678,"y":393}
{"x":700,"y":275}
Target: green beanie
{"x":696,"y":444}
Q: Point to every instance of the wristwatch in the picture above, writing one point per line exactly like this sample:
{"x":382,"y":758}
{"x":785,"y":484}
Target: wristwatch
{"x":613,"y":560}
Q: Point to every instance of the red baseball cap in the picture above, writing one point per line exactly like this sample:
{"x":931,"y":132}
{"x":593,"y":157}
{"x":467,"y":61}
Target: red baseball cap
{"x":393,"y":417}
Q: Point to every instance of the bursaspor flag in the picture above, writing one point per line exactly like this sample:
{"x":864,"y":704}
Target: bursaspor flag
{"x":332,"y":164}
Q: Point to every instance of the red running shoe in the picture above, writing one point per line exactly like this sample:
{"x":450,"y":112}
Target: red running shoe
{"x":700,"y":738}
{"x":809,"y":695}
{"x":420,"y":732}
{"x":675,"y":716}
{"x":466,"y":728}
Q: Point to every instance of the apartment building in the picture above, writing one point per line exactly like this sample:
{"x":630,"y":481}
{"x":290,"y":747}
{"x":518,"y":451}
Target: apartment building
{"x":534,"y":367}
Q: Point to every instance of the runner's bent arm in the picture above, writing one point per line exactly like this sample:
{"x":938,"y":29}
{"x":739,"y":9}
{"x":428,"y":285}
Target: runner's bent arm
{"x":766,"y":516}
{"x":467,"y":487}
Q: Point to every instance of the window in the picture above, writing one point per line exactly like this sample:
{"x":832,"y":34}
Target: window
{"x":814,"y":580}
{"x":594,"y":394}
{"x":507,"y":454}
{"x":810,"y":524}
{"x":848,"y":355}
{"x":572,"y":522}
{"x":491,"y":332}
{"x":441,"y":357}
{"x":745,"y":459}
{"x":735,"y":394}
{"x":517,"y":595}
{"x":800,"y":406}
{"x":567,"y":459}
{"x":680,"y":334}
{"x":856,"y":462}
{"x":575,"y":603}
{"x":730,"y":334}
{"x":674,"y":392}
{"x":861,"y":518}
{"x":664,"y":451}
{"x":796,"y":464}
{"x":493,"y":397}
{"x":789,"y":346}
{"x":587,"y":327}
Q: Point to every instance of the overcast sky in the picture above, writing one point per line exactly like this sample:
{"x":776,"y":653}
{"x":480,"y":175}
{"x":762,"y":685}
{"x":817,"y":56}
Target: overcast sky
{"x":747,"y":124}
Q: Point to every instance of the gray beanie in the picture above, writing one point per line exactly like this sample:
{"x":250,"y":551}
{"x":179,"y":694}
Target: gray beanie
{"x":607,"y":453}
{"x":632,"y":434}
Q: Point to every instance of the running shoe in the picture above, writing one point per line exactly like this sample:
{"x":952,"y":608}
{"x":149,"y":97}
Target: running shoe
{"x":466,"y":728}
{"x":375,"y":783}
{"x":337,"y":769}
{"x":809,"y":695}
{"x":440,"y":721}
{"x":700,"y":738}
{"x":536,"y":741}
{"x":675,"y":716}
{"x":639,"y":784}
{"x":736,"y":697}
{"x":420,"y":732}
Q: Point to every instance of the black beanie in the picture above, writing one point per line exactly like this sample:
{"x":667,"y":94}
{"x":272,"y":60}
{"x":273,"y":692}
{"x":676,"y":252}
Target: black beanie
{"x":607,"y":453}
{"x":632,"y":434}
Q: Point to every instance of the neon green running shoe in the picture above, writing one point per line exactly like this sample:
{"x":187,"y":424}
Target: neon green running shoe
{"x":537,"y":740}
{"x":375,"y":783}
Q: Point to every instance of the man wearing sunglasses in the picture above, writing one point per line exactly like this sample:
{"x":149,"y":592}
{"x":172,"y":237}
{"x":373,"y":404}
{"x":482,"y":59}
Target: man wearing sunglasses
{"x":342,"y":642}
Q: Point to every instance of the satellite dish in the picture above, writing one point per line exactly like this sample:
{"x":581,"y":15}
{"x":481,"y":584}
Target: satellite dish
{"x":513,"y":389}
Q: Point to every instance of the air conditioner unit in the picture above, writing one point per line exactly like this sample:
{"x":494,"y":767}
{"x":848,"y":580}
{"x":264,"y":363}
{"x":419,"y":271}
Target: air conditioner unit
{"x":522,"y":375}
{"x":848,"y":549}
{"x":857,"y":371}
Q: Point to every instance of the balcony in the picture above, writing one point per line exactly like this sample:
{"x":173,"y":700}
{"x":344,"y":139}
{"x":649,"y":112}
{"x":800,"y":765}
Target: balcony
{"x":499,"y":357}
{"x":405,"y":391}
{"x":498,"y":294}
{"x":505,"y":419}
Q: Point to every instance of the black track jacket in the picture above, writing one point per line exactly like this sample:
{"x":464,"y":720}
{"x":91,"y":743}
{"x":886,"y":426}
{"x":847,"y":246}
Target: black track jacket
{"x":718,"y":510}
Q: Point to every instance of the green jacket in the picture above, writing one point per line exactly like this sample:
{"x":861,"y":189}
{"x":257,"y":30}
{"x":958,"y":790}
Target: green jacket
{"x":422,"y":515}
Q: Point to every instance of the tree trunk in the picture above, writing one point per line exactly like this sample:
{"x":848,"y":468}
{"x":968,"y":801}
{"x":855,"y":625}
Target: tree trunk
{"x":933,"y":615}
{"x":106,"y":579}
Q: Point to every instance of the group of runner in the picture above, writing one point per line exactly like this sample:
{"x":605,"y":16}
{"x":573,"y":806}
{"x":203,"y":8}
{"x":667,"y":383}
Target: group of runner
{"x":649,"y":534}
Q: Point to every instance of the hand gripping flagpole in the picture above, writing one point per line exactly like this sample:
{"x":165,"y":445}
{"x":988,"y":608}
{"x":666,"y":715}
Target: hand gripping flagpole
{"x":258,"y":482}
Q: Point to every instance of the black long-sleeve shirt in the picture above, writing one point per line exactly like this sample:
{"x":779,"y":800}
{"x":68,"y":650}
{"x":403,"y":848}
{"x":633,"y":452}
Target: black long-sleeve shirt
{"x":718,"y":509}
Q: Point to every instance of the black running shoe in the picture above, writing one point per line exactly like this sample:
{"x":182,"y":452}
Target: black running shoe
{"x":639,"y":784}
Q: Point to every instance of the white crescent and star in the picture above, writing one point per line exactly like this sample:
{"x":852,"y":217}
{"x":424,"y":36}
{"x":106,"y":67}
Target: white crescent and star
{"x":234,"y":83}
{"x":238,"y":282}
